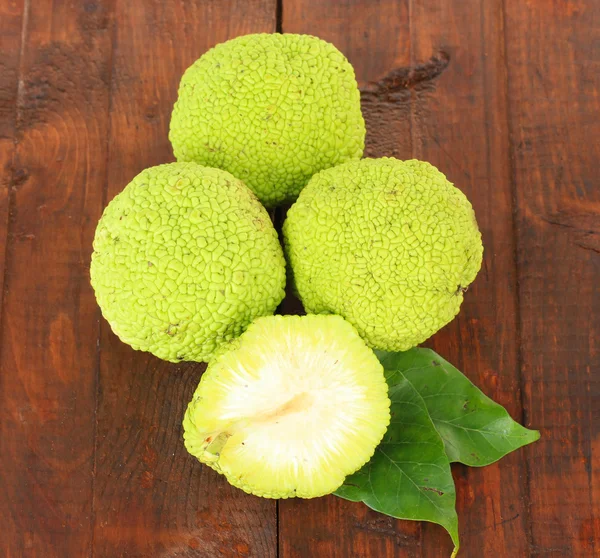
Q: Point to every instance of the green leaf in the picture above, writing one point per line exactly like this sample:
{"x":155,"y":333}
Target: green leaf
{"x":476,"y":430}
{"x":409,"y":475}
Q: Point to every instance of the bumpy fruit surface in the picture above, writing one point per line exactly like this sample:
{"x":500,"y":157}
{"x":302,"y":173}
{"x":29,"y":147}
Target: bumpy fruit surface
{"x":389,"y":245}
{"x":184,"y":259}
{"x":290,"y":408}
{"x":270,"y":109}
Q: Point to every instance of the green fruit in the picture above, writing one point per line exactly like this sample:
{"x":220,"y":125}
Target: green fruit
{"x":184,"y":259}
{"x":270,"y":109}
{"x":290,"y":408}
{"x":389,"y":245}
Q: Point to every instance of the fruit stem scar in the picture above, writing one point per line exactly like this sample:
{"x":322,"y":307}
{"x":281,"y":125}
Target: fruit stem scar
{"x":215,"y":444}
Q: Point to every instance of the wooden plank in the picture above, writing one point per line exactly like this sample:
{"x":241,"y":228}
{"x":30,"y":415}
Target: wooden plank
{"x":553,"y":55}
{"x":460,"y":126}
{"x":49,"y":316}
{"x":440,"y":82}
{"x":375,"y":38}
{"x":151,"y":497}
{"x":11,"y":26}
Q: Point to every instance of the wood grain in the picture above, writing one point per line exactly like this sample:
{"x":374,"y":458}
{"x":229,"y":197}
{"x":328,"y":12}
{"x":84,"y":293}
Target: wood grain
{"x":460,"y":125}
{"x":49,"y":315}
{"x":553,"y":56}
{"x":151,"y":497}
{"x":11,"y":27}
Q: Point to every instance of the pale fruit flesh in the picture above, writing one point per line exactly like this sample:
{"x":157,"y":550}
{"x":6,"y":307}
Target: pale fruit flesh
{"x":295,"y":405}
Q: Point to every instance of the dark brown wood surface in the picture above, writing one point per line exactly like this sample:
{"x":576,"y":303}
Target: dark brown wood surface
{"x":502,"y":95}
{"x":553,"y":54}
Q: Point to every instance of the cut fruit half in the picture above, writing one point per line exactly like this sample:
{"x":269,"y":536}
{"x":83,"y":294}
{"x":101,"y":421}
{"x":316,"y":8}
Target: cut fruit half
{"x":290,"y":408}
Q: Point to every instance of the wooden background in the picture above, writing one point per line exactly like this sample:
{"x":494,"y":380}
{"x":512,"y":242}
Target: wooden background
{"x":502,"y":95}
